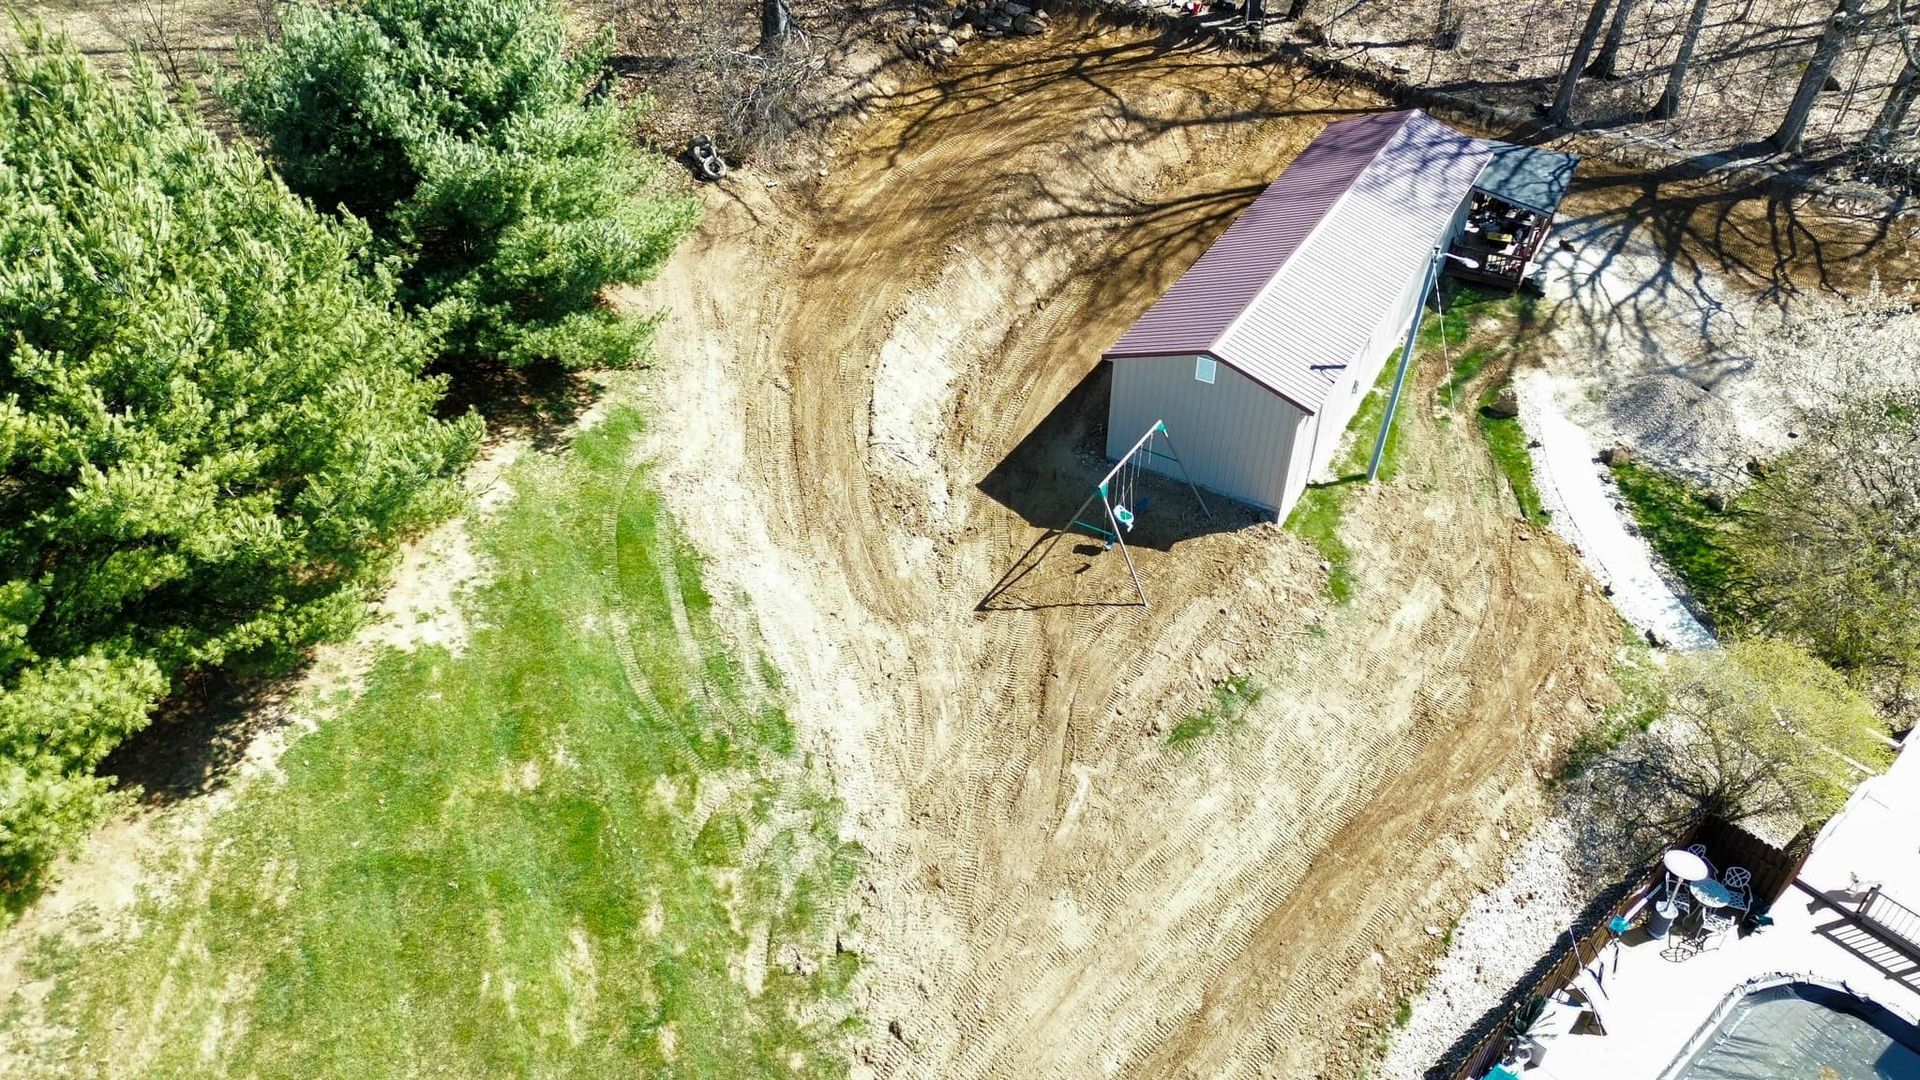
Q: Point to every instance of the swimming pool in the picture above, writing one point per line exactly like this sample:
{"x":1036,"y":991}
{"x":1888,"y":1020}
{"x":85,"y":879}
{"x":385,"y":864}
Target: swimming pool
{"x":1799,"y":1030}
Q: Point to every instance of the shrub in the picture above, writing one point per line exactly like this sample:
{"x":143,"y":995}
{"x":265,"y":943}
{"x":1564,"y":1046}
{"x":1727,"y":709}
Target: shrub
{"x":1830,"y":539}
{"x":212,"y":426}
{"x":1758,"y":729}
{"x":484,"y":152}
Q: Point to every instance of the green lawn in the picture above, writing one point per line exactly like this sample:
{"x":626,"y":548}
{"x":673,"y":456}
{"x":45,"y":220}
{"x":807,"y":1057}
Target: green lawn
{"x":1691,"y":536}
{"x":498,"y":862}
{"x":1507,"y":442}
{"x":1317,"y":515}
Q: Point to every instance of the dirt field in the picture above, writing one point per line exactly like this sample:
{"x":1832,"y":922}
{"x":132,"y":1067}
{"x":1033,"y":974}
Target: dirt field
{"x":876,"y":389}
{"x":877,"y":393}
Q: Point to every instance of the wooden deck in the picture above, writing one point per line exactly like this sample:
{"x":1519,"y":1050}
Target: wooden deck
{"x":1501,"y":240}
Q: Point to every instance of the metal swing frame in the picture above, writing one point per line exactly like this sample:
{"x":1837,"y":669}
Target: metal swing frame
{"x":1103,"y":492}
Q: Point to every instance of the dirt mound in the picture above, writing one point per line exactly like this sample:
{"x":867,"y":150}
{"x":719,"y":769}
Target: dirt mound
{"x":874,"y":398}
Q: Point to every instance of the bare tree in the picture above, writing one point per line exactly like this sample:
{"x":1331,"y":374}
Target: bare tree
{"x":1606,"y":64}
{"x":752,"y":88}
{"x":150,"y":31}
{"x":1669,"y":103}
{"x":1446,"y":26}
{"x":1296,"y":10}
{"x":1589,"y":37}
{"x":776,"y":26}
{"x":1839,"y":30}
{"x":1893,"y":114}
{"x":1906,"y":86}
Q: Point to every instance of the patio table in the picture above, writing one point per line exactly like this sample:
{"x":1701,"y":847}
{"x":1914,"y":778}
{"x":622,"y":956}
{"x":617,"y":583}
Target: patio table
{"x":1710,"y":893}
{"x":1685,"y":865}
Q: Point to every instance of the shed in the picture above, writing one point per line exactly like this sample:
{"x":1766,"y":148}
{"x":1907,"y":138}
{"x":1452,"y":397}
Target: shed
{"x":1259,"y":355}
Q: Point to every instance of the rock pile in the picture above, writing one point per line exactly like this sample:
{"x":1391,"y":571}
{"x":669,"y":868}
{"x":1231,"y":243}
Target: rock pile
{"x":941,"y":31}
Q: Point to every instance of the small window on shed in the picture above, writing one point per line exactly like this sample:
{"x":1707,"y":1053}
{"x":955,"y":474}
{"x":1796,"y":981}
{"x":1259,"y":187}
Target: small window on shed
{"x":1203,"y":369}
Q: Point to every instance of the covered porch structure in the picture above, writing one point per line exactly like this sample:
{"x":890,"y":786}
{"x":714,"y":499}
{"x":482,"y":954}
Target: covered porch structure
{"x":1510,"y":213}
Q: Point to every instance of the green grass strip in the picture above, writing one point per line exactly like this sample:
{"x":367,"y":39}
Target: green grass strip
{"x":1507,"y":442}
{"x":1316,"y":517}
{"x":1689,"y":534}
{"x":579,"y":846}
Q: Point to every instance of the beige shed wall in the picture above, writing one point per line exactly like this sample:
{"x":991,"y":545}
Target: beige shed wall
{"x":1235,"y":436}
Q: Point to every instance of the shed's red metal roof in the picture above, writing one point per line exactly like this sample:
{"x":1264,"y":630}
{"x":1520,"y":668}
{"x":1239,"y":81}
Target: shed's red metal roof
{"x":1297,"y":284}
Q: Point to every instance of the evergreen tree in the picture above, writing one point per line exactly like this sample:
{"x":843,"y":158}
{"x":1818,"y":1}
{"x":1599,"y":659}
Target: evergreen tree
{"x":486,"y":153}
{"x":213,"y":426}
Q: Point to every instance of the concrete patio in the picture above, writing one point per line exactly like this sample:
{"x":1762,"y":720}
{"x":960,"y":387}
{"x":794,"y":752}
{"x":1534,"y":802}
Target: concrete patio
{"x":1652,"y":1006}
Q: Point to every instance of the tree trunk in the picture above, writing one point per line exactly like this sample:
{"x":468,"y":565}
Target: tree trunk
{"x":1295,"y":10}
{"x":1677,"y":76}
{"x":1589,"y":36}
{"x":776,"y":25}
{"x":1604,"y":65}
{"x":1840,"y":26}
{"x":1893,"y":115}
{"x":1446,"y":27}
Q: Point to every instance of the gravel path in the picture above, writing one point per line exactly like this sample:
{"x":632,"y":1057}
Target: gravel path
{"x":1584,"y":508}
{"x":1503,"y":934}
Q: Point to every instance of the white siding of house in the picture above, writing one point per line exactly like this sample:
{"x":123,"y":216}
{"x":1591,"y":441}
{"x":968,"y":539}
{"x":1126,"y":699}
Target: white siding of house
{"x":1235,"y":436}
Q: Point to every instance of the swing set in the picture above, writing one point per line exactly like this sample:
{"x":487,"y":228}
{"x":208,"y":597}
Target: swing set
{"x":1123,"y":501}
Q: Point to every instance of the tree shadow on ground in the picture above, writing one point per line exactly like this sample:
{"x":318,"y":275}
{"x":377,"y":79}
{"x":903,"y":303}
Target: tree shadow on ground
{"x":198,"y":736}
{"x":539,"y":403}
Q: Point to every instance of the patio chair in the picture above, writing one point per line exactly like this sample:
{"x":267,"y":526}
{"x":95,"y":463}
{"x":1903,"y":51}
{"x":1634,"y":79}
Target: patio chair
{"x":1681,"y":945}
{"x":1715,"y":924}
{"x":1701,"y":850}
{"x":1737,"y":879}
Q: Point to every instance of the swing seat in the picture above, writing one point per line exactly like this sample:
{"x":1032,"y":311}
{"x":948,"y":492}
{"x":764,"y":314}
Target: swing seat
{"x":1124,"y":516}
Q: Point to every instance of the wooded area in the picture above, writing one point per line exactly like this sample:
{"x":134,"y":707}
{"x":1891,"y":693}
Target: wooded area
{"x":1833,"y":81}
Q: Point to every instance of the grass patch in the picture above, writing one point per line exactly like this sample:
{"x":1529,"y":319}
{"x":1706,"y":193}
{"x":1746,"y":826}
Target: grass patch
{"x":1507,"y":442}
{"x":1231,"y":700}
{"x":1403,"y":1013}
{"x":1471,"y":364}
{"x":554,"y":853}
{"x":1689,"y":534}
{"x":1317,"y":515}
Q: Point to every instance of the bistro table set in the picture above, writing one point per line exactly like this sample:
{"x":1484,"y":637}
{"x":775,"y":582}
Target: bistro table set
{"x":1690,"y":887}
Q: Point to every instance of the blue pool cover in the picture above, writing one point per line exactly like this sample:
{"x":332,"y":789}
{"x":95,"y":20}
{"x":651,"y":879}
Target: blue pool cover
{"x":1801,"y":1031}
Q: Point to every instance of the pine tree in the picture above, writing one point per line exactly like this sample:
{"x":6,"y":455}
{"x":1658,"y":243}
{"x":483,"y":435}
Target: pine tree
{"x":213,"y":425}
{"x":484,"y":152}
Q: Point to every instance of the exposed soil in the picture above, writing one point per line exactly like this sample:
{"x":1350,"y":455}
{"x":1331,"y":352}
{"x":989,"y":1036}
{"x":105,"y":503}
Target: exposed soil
{"x":874,"y":397}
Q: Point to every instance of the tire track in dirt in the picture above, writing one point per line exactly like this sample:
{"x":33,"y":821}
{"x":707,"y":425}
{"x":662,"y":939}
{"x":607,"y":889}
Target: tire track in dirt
{"x":1055,"y":892}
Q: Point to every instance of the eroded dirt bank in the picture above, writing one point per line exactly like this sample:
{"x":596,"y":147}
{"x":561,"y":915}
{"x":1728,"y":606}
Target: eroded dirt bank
{"x":873,"y":397}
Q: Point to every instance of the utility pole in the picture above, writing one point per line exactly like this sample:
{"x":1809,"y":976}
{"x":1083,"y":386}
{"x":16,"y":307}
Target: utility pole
{"x":1427,"y":286}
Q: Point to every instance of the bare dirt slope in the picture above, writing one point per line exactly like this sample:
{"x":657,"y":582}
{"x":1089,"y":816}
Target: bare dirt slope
{"x":873,"y":396}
